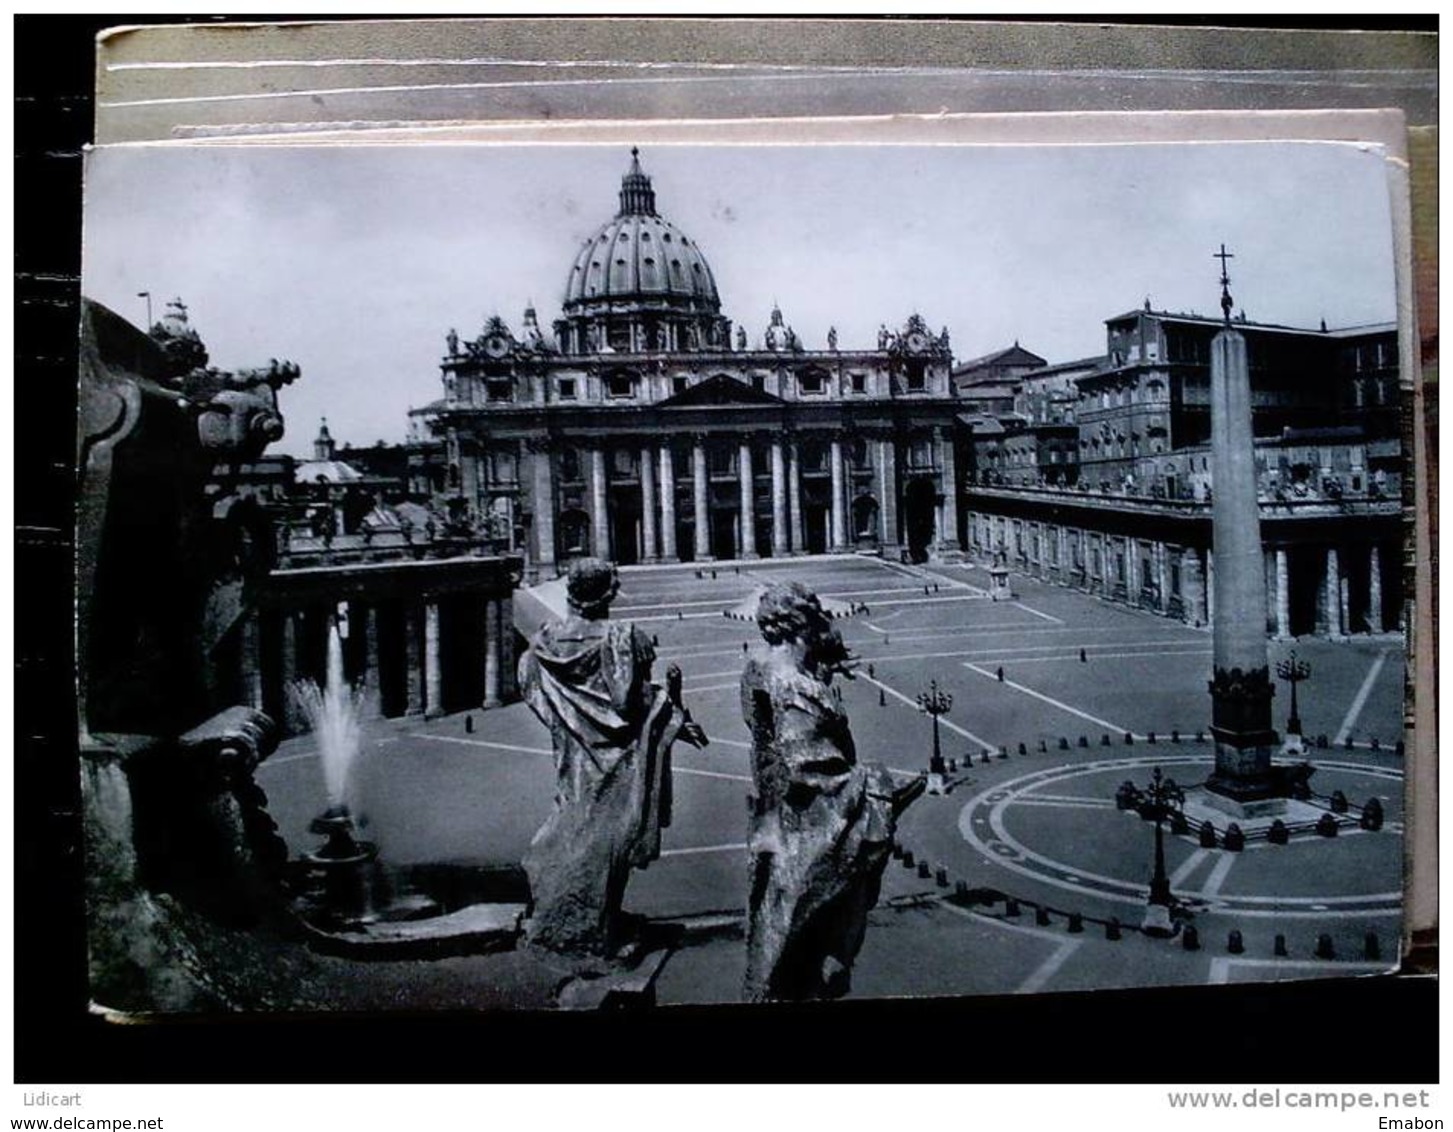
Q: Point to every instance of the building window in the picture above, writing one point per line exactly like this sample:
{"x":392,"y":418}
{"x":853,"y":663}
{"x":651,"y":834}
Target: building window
{"x":500,"y":390}
{"x":759,"y":382}
{"x":859,"y":382}
{"x":623,"y":460}
{"x":678,"y":385}
{"x":811,"y":382}
{"x":570,"y":466}
{"x":916,"y":379}
{"x":620,"y":385}
{"x":721,"y":461}
{"x":567,"y":389}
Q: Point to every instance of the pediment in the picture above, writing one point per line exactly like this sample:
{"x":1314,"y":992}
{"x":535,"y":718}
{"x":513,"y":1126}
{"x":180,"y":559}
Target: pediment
{"x":720,"y":389}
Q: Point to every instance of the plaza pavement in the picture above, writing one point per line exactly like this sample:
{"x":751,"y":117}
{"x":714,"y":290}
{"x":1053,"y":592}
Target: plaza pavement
{"x":1040,"y":827}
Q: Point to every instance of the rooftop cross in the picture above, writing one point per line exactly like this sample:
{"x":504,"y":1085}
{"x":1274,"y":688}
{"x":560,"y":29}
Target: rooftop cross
{"x":1226,"y":303}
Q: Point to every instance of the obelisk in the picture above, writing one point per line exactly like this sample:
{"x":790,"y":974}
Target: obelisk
{"x":1241,"y":686}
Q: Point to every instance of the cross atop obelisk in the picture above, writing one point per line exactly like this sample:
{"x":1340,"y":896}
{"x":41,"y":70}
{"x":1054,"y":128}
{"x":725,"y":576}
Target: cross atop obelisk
{"x":1223,"y":255}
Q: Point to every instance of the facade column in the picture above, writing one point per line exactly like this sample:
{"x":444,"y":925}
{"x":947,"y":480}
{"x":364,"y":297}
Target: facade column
{"x":492,"y":652}
{"x":1374,"y":590}
{"x":949,"y":534}
{"x":1192,"y":587}
{"x":288,"y":668}
{"x":649,"y":545}
{"x":544,"y":508}
{"x":668,"y":504}
{"x":794,"y":499}
{"x":779,"y":499}
{"x":1344,"y":603}
{"x":839,"y":528}
{"x":700,"y":511}
{"x":1283,"y":596}
{"x":888,"y":497}
{"x":433,"y":675}
{"x":1132,"y":571}
{"x":747,"y":501}
{"x":1062,"y":561}
{"x":599,"y":519}
{"x":1162,"y":577}
{"x":414,"y":658}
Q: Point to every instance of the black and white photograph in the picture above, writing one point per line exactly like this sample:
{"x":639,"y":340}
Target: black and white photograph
{"x":566,"y":577}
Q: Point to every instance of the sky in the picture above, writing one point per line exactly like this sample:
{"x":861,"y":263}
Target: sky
{"x":355,"y":261}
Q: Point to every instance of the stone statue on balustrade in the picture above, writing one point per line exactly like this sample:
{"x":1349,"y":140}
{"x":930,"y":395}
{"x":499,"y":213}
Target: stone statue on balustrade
{"x":588,"y":679}
{"x":822,"y":824}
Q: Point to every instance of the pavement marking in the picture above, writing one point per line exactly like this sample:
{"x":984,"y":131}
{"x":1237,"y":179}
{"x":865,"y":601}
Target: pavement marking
{"x":1212,"y":887}
{"x":511,"y":747}
{"x":1067,"y":803}
{"x":711,"y":774}
{"x":713,"y":688}
{"x":1038,"y":613}
{"x":739,"y":846}
{"x":732,"y":742}
{"x":1048,"y":969}
{"x":1360,"y":700}
{"x":1115,"y":727}
{"x":947,"y":724}
{"x":1187,"y":867}
{"x":1204,"y":651}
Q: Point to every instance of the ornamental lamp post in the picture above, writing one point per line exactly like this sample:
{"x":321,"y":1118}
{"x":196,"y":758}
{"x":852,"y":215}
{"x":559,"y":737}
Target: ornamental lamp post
{"x":1293,"y":671}
{"x":1161,"y":799}
{"x":935,"y":703}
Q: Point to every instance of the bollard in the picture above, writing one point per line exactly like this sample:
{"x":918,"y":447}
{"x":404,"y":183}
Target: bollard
{"x":1325,"y":950}
{"x":1064,"y":744}
{"x":1208,"y":835}
{"x":940,"y":878}
{"x":1401,"y":748}
{"x":1126,"y":795}
{"x":882,"y":698}
{"x":1347,"y":743}
{"x":1371,"y":818}
{"x":469,"y":725}
{"x":999,"y":675}
{"x":1011,"y":907}
{"x":1003,"y":752}
{"x":885,"y":638}
{"x":1277,"y":833}
{"x":908,"y":858}
{"x":1084,"y":742}
{"x":1371,"y":948}
{"x":1043,"y":746}
{"x":961,"y":890}
{"x":897,"y":851}
{"x":953,"y":765}
{"x":923,"y":870}
{"x":1104,"y":740}
{"x":1023,"y":750}
{"x":1150,"y":738}
{"x":1235,"y":840}
{"x":1375,"y":744}
{"x":1082,"y":657}
{"x":1234,"y":943}
{"x":1112,"y":928}
{"x":1321,"y":742}
{"x":1076,"y":924}
{"x":1178,"y":824}
{"x":985,"y":757}
{"x":1339,"y":802}
{"x":1279,"y":945}
{"x":1041,"y":916}
{"x":1200,"y":736}
{"x":1175,"y":736}
{"x":1327,"y":825}
{"x":871,"y":672}
{"x":680,"y":616}
{"x":655,"y":640}
{"x":1191,"y":939}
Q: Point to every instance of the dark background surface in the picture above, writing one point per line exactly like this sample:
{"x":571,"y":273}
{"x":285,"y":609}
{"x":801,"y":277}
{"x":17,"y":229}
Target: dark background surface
{"x":1364,"y":1031}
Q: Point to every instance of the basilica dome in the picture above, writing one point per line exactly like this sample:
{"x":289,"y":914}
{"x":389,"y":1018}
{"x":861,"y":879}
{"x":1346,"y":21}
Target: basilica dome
{"x":639,"y":256}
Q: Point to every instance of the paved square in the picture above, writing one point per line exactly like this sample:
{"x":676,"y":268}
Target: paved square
{"x":1062,"y":675}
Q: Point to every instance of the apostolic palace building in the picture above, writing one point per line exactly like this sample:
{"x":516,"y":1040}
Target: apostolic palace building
{"x":649,"y":428}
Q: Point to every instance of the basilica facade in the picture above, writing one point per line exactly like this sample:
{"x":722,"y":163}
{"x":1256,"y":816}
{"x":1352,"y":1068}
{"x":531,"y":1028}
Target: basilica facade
{"x":646,"y":426}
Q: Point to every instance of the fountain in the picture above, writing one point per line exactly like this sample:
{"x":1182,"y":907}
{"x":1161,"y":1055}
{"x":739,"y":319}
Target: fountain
{"x":346,"y":863}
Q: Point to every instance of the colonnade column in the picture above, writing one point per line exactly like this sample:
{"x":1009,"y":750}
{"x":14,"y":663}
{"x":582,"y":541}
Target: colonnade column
{"x":779,"y":499}
{"x":1210,"y":587}
{"x":949,"y":533}
{"x":288,"y":669}
{"x":648,"y":506}
{"x":250,"y":646}
{"x":888,"y":494}
{"x":1162,"y":577}
{"x":1331,"y":597}
{"x":433,"y":682}
{"x":413,"y":659}
{"x":544,"y":508}
{"x":1192,"y":587}
{"x":839,"y":519}
{"x":794,"y":500}
{"x":369,"y":616}
{"x":599,"y":519}
{"x":1132,"y":571}
{"x":668,"y":504}
{"x":747,"y":501}
{"x":1374,"y":590}
{"x":492,"y":657}
{"x":1283,"y":596}
{"x":699,"y":484}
